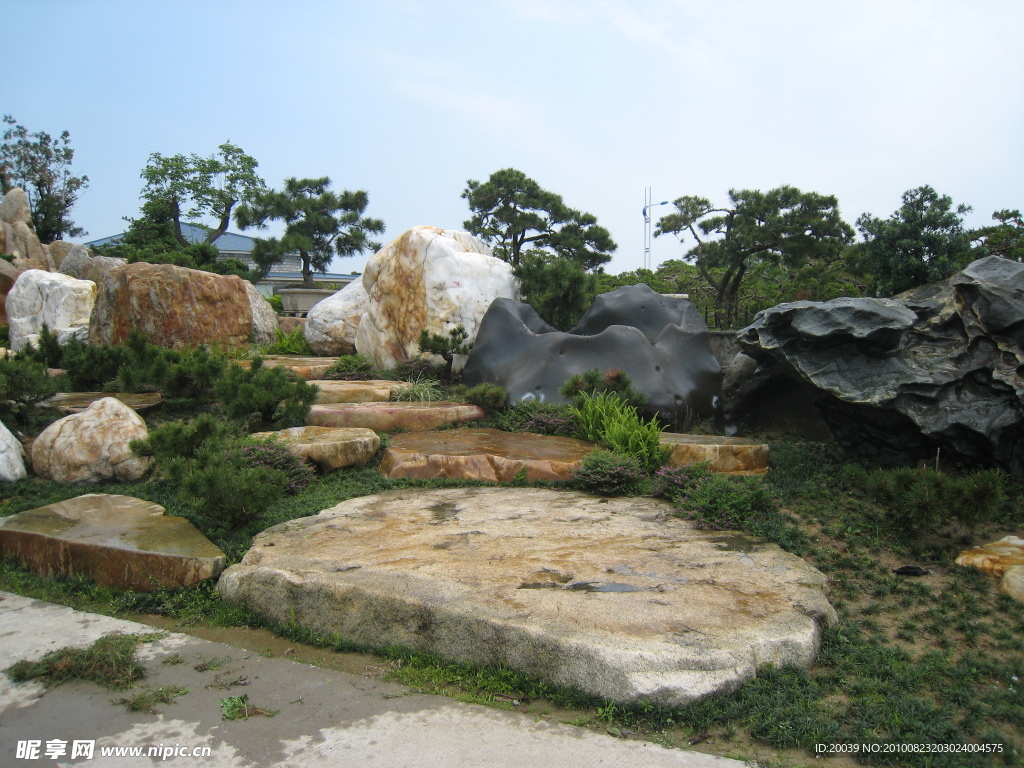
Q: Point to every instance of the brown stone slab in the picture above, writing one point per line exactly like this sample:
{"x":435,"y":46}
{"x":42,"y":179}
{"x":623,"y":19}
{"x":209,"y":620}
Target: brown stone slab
{"x":76,"y":402}
{"x":384,"y":417}
{"x":306,"y":367}
{"x":369,"y":391}
{"x":483,"y":454}
{"x":117,"y":541}
{"x":329,"y":448}
{"x":615,"y":597}
{"x":735,"y":455}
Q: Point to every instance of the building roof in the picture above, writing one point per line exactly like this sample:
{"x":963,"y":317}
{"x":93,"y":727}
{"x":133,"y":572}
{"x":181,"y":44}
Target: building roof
{"x":229,"y":242}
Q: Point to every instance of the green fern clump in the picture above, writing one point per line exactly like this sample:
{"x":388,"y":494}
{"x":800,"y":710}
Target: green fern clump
{"x":608,"y":420}
{"x":265,"y":398}
{"x":292,"y":343}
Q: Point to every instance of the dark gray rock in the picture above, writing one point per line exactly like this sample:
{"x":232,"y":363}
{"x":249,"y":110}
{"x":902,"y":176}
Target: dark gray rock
{"x":660,"y":342}
{"x":937,"y":367}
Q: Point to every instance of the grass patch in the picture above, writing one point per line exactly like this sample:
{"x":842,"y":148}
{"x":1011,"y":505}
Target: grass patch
{"x":147,"y":699}
{"x":239,"y":708}
{"x":110,"y":662}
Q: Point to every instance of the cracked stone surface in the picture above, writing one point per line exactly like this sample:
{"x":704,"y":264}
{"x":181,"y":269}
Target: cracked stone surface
{"x":613,"y":597}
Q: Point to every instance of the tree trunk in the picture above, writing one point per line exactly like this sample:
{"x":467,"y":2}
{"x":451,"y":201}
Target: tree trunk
{"x":307,"y":271}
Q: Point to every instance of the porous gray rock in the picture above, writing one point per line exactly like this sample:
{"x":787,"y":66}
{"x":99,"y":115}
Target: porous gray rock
{"x":614,"y":597}
{"x":661,"y":342}
{"x":937,"y":368}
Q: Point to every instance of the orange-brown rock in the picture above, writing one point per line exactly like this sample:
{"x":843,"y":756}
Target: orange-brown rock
{"x":306,"y":367}
{"x":328,"y":448}
{"x":174,"y":306}
{"x":994,"y":559}
{"x":483,"y":454}
{"x":117,"y":541}
{"x":369,"y":391}
{"x":735,"y":455}
{"x":384,"y":417}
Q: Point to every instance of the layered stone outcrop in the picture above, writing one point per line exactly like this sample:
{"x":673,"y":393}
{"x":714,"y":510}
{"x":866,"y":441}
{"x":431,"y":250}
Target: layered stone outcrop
{"x":117,"y":541}
{"x":551,"y":583}
{"x":61,"y":303}
{"x":427,"y":279}
{"x":174,"y":306}
{"x":661,"y":342}
{"x":937,"y":368}
{"x":91,"y":446}
{"x":331,"y":324}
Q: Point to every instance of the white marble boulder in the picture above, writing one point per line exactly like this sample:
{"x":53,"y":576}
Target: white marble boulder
{"x":91,"y":446}
{"x":428,"y":278}
{"x":331,"y":324}
{"x":39,"y":298}
{"x":12,"y":456}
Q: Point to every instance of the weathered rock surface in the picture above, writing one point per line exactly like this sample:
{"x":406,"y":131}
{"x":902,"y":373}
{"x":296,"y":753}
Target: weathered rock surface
{"x":117,"y":541}
{"x":941,"y":366}
{"x":331,"y":324}
{"x":369,"y":391}
{"x":660,"y":342}
{"x":76,"y":262}
{"x":306,"y":367}
{"x":14,"y":207}
{"x":329,"y":448}
{"x":12,"y":456}
{"x":384,"y":417}
{"x":58,"y":250}
{"x":174,"y":306}
{"x":92,"y":445}
{"x":1003,"y":559}
{"x":289,"y":324}
{"x":8,"y":277}
{"x":76,"y":402}
{"x":483,"y":454}
{"x":428,"y":278}
{"x":264,"y":318}
{"x":17,"y":237}
{"x":610,"y":596}
{"x":57,"y":301}
{"x":735,"y":455}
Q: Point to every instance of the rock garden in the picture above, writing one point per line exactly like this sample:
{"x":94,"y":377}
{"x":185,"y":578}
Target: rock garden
{"x":542,"y":519}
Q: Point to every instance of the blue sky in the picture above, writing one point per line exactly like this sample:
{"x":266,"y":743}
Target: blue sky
{"x":595,"y":99}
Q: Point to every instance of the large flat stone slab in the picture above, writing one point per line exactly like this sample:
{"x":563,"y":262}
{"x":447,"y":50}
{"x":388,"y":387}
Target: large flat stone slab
{"x":306,"y":367}
{"x":328,"y":448}
{"x":369,"y":391}
{"x":610,"y":596}
{"x":117,"y":541}
{"x":76,"y":402}
{"x":384,"y":417}
{"x":483,"y":454}
{"x":735,"y":455}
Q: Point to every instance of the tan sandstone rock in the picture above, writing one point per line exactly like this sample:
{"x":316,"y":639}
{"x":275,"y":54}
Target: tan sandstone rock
{"x":384,"y":417}
{"x":14,"y":207}
{"x":369,"y":391}
{"x":58,"y":250}
{"x":117,"y":541}
{"x":428,"y":278}
{"x":735,"y":455}
{"x":8,"y":277}
{"x":174,"y":306}
{"x":995,"y":558}
{"x":614,"y":597}
{"x":61,"y":303}
{"x":483,"y":454}
{"x":76,"y":402}
{"x":264,"y":318}
{"x":328,"y":448}
{"x":92,"y":445}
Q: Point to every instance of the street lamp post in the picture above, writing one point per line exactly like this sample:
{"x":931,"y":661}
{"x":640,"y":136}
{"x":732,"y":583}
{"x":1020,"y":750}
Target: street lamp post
{"x":647,"y":225}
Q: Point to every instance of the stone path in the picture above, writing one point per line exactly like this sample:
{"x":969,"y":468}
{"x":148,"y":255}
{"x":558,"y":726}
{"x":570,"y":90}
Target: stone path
{"x":384,"y":417}
{"x":613,"y":597}
{"x":306,"y":367}
{"x":328,"y":448}
{"x":734,"y":455}
{"x":370,"y":391}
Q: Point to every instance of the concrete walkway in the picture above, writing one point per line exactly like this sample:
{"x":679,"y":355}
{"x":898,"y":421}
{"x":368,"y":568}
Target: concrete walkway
{"x":325,"y":718}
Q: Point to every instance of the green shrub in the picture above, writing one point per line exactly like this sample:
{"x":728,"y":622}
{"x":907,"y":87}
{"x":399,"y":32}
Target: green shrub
{"x":926,"y":499}
{"x":24,"y":386}
{"x":272,"y":454}
{"x":425,"y":390}
{"x":490,"y":397}
{"x":718,"y":502}
{"x":673,"y":483}
{"x":446,"y":346}
{"x":608,"y":420}
{"x":609,"y":474}
{"x":414,"y":369}
{"x":593,"y":382}
{"x":352,"y":368}
{"x":178,"y":439}
{"x":277,"y":303}
{"x":264,"y":398}
{"x":292,"y":343}
{"x":537,"y":416}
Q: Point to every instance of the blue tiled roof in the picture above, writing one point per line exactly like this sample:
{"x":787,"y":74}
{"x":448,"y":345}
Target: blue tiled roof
{"x":230,"y":242}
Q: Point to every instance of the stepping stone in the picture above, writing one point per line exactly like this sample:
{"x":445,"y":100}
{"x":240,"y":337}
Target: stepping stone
{"x":76,"y":402}
{"x":735,"y":455}
{"x":329,"y":448}
{"x":306,"y":367}
{"x":384,"y":417}
{"x":483,"y":454}
{"x":371,"y":391}
{"x":1003,"y":559}
{"x":613,"y":597}
{"x":117,"y":541}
